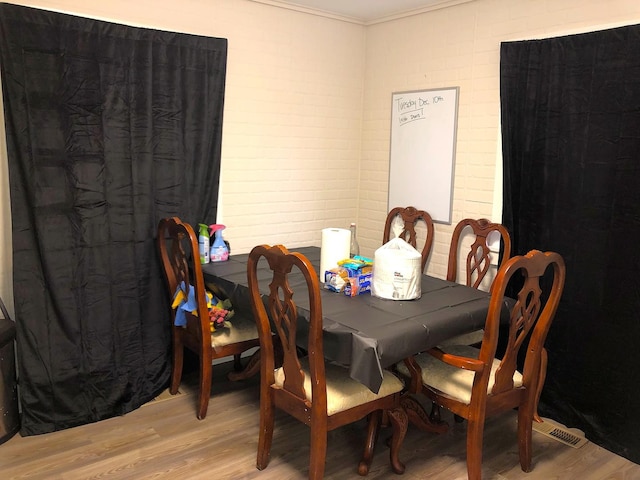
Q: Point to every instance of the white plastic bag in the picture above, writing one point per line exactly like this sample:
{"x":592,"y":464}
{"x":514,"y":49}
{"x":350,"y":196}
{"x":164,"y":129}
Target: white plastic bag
{"x":397,"y":271}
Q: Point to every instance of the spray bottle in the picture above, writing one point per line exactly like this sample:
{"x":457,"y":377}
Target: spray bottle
{"x":203,"y":243}
{"x":219,"y":250}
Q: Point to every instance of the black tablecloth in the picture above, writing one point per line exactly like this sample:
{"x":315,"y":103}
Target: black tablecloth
{"x":366,"y":333}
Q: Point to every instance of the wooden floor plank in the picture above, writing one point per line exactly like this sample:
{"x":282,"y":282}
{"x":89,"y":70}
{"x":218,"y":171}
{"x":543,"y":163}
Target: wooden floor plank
{"x":164,"y":439}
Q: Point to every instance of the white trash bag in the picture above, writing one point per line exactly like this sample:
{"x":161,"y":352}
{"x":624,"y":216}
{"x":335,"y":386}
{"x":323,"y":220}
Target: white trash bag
{"x":397,"y":271}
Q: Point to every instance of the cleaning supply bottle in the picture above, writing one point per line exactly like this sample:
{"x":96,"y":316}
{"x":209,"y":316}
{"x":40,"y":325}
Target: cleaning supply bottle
{"x":219,"y":250}
{"x":203,"y":243}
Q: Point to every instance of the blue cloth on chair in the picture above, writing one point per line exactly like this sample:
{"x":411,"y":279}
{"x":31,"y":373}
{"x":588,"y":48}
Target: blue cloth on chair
{"x":183,"y":302}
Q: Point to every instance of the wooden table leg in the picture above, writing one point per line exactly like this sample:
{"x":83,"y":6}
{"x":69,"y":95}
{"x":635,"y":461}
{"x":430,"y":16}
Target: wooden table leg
{"x":418,"y":416}
{"x":253,"y":365}
{"x":399,"y":422}
{"x":250,"y":369}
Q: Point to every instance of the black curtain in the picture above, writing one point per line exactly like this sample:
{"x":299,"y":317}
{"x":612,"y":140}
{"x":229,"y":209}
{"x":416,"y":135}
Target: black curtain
{"x":109,"y":129}
{"x":571,"y":148}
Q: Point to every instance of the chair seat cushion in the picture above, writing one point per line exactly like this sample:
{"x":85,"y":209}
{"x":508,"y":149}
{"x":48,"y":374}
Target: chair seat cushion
{"x":242,"y":328}
{"x":343,"y":392}
{"x":453,"y":381}
{"x":472,"y":338}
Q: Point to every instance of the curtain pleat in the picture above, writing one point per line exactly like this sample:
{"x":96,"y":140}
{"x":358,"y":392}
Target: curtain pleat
{"x":109,"y":129}
{"x":571,"y":149}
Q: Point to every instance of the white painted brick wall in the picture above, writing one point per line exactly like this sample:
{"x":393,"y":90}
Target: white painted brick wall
{"x":307,"y":111}
{"x":458,"y":46}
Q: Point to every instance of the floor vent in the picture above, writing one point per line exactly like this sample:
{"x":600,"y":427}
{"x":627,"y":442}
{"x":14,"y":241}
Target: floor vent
{"x":569,"y":436}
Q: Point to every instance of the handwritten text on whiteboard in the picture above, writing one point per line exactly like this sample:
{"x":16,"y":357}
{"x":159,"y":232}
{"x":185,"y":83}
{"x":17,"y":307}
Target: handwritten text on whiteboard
{"x":410,"y":110}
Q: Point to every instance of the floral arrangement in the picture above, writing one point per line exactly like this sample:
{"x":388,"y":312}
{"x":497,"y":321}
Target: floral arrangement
{"x":220,"y":314}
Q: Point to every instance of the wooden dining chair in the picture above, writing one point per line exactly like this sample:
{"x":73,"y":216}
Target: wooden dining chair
{"x":410,"y":218}
{"x":317,"y":393}
{"x":478,"y":258}
{"x":471,"y":382}
{"x":178,"y":245}
{"x":470,"y":260}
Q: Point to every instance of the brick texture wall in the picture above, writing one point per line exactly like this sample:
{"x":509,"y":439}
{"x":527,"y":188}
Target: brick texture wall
{"x":457,"y":46}
{"x":307,"y":112}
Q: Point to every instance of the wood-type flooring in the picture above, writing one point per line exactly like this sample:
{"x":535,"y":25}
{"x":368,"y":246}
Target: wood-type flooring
{"x":164,"y":439}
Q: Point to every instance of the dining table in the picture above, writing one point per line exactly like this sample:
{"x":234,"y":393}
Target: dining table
{"x":364,"y":333}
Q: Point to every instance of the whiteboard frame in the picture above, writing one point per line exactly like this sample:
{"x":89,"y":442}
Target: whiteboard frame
{"x":411,"y":189}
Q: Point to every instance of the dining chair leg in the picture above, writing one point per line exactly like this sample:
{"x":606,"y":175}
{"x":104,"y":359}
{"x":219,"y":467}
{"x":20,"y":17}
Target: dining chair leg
{"x":385,"y":419}
{"x":542,"y":375}
{"x":375,"y":419}
{"x":434,"y":416}
{"x":318,"y":447}
{"x":265,"y":436}
{"x":525,"y":420}
{"x":176,"y":372}
{"x":205,"y":388}
{"x":475,"y":431}
{"x":399,"y":422}
{"x":237,"y":362}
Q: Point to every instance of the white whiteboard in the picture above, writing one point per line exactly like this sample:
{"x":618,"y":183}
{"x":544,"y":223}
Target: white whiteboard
{"x":423,"y":150}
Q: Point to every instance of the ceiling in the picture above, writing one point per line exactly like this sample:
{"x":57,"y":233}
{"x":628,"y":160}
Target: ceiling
{"x":366,"y":11}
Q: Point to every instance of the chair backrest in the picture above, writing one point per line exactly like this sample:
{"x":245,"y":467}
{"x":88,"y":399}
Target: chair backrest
{"x":178,"y":245}
{"x":411,"y":217}
{"x":281,"y":314}
{"x":541,"y":276}
{"x":478,"y":259}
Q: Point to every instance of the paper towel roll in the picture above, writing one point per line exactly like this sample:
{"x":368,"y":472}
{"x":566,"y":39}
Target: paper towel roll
{"x":334,"y":247}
